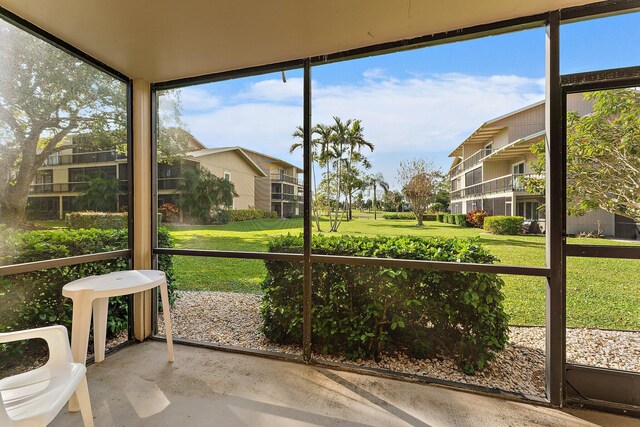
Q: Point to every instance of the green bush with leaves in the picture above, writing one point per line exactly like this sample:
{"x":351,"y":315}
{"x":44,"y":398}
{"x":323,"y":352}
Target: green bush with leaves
{"x":35,"y":299}
{"x":460,"y":219}
{"x":440,"y":217}
{"x":101,"y":220}
{"x":249,"y":214}
{"x":504,"y":224}
{"x":364,"y":311}
{"x":408,"y":216}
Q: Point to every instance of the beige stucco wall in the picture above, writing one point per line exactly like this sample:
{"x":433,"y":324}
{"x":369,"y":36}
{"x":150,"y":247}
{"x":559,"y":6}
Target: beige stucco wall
{"x":242,"y":175}
{"x":589,"y":222}
{"x":491,"y":170}
{"x":500,"y":139}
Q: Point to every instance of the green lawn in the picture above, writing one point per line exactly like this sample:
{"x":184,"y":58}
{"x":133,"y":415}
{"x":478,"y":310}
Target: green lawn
{"x":600,"y":292}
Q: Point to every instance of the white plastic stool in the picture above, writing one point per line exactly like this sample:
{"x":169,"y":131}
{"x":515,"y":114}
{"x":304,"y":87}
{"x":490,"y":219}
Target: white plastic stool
{"x":92,"y":294}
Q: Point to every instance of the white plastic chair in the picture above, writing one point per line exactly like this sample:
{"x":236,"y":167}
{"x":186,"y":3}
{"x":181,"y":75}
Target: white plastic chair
{"x":34,"y":398}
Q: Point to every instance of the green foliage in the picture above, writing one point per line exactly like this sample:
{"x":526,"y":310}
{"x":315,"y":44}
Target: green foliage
{"x":440,"y":217}
{"x":37,"y":296}
{"x":438,"y":207}
{"x":101,"y":220}
{"x":203,"y":195}
{"x":460,"y":219}
{"x":476,"y":218}
{"x":98,"y":194}
{"x":503,"y":224}
{"x":449,"y":218}
{"x":362,"y":311}
{"x":603,"y":156}
{"x":249,"y":214}
{"x":408,"y":215}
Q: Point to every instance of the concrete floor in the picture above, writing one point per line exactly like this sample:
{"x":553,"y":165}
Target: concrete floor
{"x":137,"y":387}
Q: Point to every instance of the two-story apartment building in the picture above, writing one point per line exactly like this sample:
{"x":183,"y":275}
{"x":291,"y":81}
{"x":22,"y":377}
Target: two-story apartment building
{"x":489,"y":168}
{"x":260,"y":180}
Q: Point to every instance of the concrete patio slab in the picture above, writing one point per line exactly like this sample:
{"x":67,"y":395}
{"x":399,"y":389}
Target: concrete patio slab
{"x":137,"y":387}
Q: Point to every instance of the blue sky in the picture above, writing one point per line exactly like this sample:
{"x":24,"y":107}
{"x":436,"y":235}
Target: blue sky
{"x":415,"y":104}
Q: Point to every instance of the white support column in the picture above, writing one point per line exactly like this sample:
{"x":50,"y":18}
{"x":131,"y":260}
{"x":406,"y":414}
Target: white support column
{"x":142,"y":201}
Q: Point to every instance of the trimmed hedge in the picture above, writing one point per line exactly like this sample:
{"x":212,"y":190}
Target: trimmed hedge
{"x":460,"y":219}
{"x":408,"y":216}
{"x":503,"y":224}
{"x":363,"y":311}
{"x":249,"y":214}
{"x":102,"y":220}
{"x":440,"y":217}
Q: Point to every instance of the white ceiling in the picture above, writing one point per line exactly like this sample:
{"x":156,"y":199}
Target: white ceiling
{"x":162,"y":40}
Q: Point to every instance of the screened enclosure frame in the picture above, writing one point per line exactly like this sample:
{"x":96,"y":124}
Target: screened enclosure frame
{"x":556,"y":248}
{"x":54,"y":41}
{"x":585,"y":383}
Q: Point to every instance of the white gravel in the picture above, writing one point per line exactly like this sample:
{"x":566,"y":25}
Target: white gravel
{"x":234,"y":319}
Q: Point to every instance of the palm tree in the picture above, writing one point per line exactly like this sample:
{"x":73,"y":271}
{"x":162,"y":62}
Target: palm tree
{"x":320,"y":154}
{"x":98,"y":194}
{"x":202,"y":193}
{"x":374,"y":181}
{"x":355,"y":142}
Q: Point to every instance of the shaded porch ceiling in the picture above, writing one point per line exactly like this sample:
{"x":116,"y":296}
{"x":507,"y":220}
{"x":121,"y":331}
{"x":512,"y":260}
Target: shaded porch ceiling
{"x":161,"y":40}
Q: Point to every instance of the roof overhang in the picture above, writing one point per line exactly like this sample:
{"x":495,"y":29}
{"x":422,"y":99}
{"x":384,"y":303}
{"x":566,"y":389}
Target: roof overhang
{"x":164,"y":39}
{"x":481,"y":135}
{"x":517,"y":148}
{"x":213,"y":151}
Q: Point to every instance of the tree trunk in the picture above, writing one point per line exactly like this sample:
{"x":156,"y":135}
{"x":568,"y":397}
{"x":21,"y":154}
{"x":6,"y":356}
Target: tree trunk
{"x":375,"y":204}
{"x":419,"y":218}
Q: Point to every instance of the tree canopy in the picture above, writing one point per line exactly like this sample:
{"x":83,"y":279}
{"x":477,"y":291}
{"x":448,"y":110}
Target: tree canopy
{"x":419,"y":180}
{"x":603,"y":156}
{"x":203,"y":195}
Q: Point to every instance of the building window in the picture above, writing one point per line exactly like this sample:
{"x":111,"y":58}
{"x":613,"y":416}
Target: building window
{"x":518,"y":168}
{"x":227,"y":176}
{"x":488,"y":149}
{"x":528,"y":210}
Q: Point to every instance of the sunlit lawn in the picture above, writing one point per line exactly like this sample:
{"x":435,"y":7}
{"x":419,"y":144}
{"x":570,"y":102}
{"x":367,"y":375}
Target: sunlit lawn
{"x":600,"y":292}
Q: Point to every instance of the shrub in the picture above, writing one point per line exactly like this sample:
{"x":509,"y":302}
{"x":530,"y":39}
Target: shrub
{"x":272,"y":215}
{"x":440,"y":217}
{"x":101,"y":220}
{"x":438,"y":207}
{"x":408,"y":215}
{"x":449,"y":218}
{"x":460,"y":219}
{"x":170,"y":212}
{"x":476,"y":217}
{"x":249,"y":214}
{"x":362,"y":311}
{"x":503,"y":224}
{"x":38,"y":294}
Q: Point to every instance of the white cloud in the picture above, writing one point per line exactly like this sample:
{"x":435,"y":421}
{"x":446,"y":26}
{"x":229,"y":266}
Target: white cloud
{"x":416,"y":116}
{"x":196,"y":98}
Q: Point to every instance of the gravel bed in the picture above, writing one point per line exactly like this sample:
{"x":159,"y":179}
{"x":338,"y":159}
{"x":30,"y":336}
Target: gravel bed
{"x":234,"y":319}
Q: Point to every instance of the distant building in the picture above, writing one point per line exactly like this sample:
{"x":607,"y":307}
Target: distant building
{"x":489,"y":168}
{"x":261,"y":181}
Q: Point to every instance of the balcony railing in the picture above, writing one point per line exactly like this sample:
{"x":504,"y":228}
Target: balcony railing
{"x":67,"y":187}
{"x":77,"y":158}
{"x":470,"y":162}
{"x":286,"y":197}
{"x":498,"y":185}
{"x":168,"y":183}
{"x":284,"y":178}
